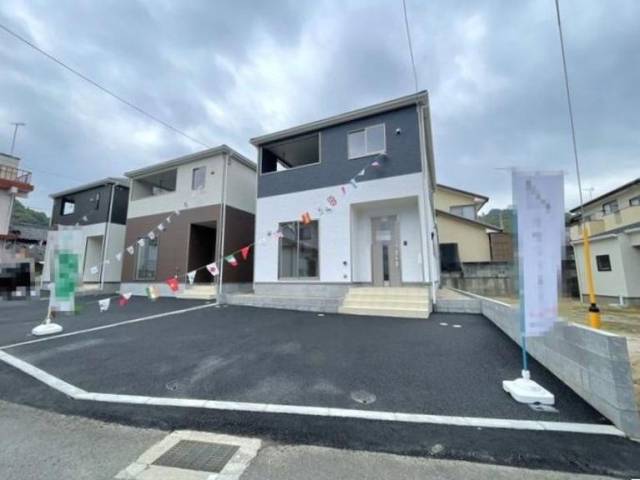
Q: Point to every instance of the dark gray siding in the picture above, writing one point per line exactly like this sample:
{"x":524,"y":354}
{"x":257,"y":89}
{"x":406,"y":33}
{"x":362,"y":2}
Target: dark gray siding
{"x":120,"y":204}
{"x":335,"y":168}
{"x":85,"y":205}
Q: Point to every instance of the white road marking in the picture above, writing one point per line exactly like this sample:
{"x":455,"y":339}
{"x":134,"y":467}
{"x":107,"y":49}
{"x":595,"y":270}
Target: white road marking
{"x":111,"y":325}
{"x":505,"y":423}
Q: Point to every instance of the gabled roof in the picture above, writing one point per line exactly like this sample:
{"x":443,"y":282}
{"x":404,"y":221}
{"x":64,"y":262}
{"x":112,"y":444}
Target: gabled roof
{"x":477,"y":223}
{"x":420,"y":97}
{"x":605,"y":195}
{"x":123,"y":182}
{"x":483,"y":199}
{"x":192,"y":157}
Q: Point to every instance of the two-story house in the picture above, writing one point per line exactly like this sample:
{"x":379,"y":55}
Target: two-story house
{"x":209,"y":198}
{"x":99,"y":210}
{"x":347,"y":202}
{"x":613,"y":224}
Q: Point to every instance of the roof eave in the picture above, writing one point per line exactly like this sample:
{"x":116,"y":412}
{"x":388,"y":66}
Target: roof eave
{"x":123,"y":182}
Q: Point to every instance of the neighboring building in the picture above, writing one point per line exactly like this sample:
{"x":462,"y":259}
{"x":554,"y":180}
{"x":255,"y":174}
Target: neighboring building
{"x":613,"y":223}
{"x":99,"y":210}
{"x":30,"y":242}
{"x":215,"y":191}
{"x":14,"y":182}
{"x":380,"y":234}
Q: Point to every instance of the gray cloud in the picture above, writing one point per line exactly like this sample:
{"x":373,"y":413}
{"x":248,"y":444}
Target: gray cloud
{"x":224,"y":72}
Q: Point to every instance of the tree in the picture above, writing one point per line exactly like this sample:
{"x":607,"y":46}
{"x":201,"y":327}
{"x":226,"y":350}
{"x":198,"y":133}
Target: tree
{"x":501,"y":218}
{"x":23,"y":215}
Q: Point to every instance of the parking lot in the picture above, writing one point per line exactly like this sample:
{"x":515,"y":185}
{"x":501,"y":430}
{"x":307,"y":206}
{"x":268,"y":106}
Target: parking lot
{"x":440,"y":377}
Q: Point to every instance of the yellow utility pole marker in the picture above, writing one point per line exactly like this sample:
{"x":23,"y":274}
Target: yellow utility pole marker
{"x":594,"y":313}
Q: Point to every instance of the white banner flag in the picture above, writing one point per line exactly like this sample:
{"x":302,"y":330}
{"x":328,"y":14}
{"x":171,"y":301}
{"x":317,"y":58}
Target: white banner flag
{"x":130,"y":250}
{"x":104,"y":304}
{"x":191,"y":276}
{"x":539,"y":202}
{"x":213,"y":269}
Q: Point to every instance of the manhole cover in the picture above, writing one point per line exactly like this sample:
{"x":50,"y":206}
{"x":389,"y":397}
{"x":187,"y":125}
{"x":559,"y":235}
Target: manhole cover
{"x":538,"y":407}
{"x":200,"y":456}
{"x":363,"y":397}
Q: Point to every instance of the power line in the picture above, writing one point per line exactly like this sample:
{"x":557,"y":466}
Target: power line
{"x":103,"y":89}
{"x":406,"y":26}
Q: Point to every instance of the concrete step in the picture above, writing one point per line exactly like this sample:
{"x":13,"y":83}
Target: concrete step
{"x":390,"y":290}
{"x":366,"y":297}
{"x":386,"y":312}
{"x":198,"y":292}
{"x":381,"y":303}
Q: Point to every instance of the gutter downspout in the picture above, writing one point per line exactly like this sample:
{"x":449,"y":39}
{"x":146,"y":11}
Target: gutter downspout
{"x":223,"y":215}
{"x":427,"y":183}
{"x":107,"y":230}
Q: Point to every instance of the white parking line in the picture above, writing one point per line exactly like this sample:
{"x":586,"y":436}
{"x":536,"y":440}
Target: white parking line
{"x":476,"y":422}
{"x":111,"y":325}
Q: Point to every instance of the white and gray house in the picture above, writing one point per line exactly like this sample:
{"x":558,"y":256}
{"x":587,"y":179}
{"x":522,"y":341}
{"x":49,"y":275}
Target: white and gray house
{"x":375,"y":251}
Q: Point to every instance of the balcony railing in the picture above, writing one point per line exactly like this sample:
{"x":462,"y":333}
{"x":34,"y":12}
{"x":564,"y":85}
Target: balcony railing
{"x":603,"y":222}
{"x":16,"y":177}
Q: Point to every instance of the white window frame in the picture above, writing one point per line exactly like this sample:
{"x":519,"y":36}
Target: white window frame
{"x":298,"y":278}
{"x":204,"y":177}
{"x":611,"y":202}
{"x":366,"y":152}
{"x":468,"y":205}
{"x":634,"y":201}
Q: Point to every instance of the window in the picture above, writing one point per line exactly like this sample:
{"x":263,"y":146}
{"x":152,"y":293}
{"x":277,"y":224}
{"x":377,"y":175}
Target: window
{"x":290,"y":153}
{"x":603,"y":262}
{"x":610,"y":207}
{"x":147,"y":260}
{"x":198,"y":177}
{"x":67,"y":207}
{"x":97,"y":199}
{"x":635,"y":201}
{"x":368,"y":141}
{"x":466,"y":211}
{"x":298,"y":250}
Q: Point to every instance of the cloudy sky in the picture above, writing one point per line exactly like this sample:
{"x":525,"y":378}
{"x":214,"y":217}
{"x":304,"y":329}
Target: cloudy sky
{"x":224,"y":71}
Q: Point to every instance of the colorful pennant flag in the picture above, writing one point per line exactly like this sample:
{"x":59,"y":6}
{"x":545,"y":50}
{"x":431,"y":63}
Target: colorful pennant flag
{"x":104,"y":304}
{"x":231,"y":260}
{"x":279,"y":234}
{"x":191,"y":276}
{"x":213,"y":269}
{"x":173,"y":283}
{"x":245,"y":251}
{"x":361,"y":172}
{"x":344,"y":189}
{"x":124,"y":298}
{"x":130,"y":249}
{"x":353,"y":183}
{"x":161,"y":227}
{"x":94,"y":270}
{"x":151,"y":235}
{"x":141,"y":242}
{"x":306,"y":218}
{"x":152,"y":292}
{"x":331,"y":200}
{"x":375,"y":163}
{"x":119,"y":256}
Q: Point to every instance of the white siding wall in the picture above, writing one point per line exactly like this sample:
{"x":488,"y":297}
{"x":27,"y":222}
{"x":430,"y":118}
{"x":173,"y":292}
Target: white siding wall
{"x":336,"y":228}
{"x":5,"y":211}
{"x":241,"y":187}
{"x":611,"y":283}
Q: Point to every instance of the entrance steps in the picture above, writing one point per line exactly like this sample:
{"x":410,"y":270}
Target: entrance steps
{"x":198,"y":292}
{"x":408,"y":302}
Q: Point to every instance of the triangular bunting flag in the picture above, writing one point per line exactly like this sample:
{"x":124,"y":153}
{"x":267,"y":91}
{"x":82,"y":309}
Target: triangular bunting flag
{"x":375,"y":163}
{"x":213,"y":269}
{"x":141,"y":242}
{"x":344,"y":190}
{"x":173,"y":283}
{"x":191,"y":276}
{"x":353,"y":183}
{"x":245,"y":251}
{"x":124,"y":298}
{"x":361,"y":173}
{"x":177,"y":211}
{"x":279,"y":234}
{"x":85,"y":218}
{"x":104,"y":304}
{"x":331,"y":200}
{"x":161,"y":227}
{"x":306,"y":218}
{"x":119,"y":256}
{"x":130,"y":250}
{"x":152,"y":292}
{"x":151,"y":235}
{"x":94,"y":270}
{"x":168,"y":219}
{"x":231,"y":260}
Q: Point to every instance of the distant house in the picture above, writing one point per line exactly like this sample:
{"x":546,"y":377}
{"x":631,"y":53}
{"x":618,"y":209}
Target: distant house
{"x":14,"y":182}
{"x":214,"y":191}
{"x":613,"y":224}
{"x":99,"y":210}
{"x":463,"y":237}
{"x":30,"y":241}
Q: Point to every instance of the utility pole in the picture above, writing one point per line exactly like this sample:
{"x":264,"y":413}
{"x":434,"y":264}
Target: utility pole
{"x":594,"y":313}
{"x":16,"y":125}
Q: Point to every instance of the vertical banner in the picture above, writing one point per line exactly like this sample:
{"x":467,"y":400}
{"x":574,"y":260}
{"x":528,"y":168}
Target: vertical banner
{"x":539,"y":203}
{"x":65,"y":268}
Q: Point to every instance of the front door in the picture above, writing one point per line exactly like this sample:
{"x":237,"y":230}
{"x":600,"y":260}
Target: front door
{"x":385,"y":251}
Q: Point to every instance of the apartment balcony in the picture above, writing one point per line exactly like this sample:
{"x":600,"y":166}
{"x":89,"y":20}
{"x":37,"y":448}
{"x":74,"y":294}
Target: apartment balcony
{"x":15,"y":178}
{"x":607,"y":222}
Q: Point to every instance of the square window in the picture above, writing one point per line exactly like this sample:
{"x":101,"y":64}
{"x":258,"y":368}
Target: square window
{"x":603,"y":262}
{"x":198,"y":178}
{"x":635,"y":201}
{"x":610,"y":207}
{"x":356,"y":143}
{"x":375,"y":139}
{"x":68,"y":206}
